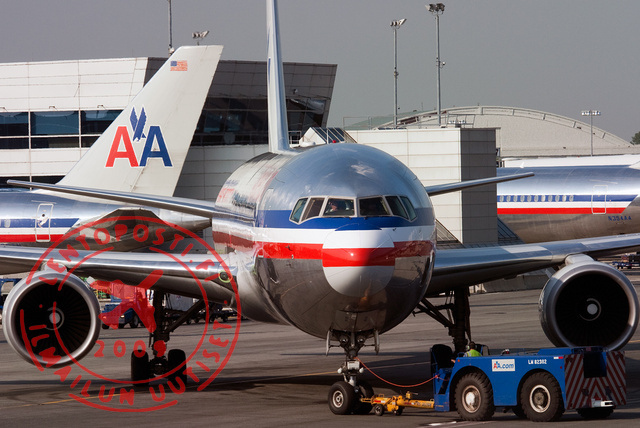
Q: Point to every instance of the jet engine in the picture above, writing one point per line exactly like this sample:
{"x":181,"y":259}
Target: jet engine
{"x":51,"y":319}
{"x":588,"y":303}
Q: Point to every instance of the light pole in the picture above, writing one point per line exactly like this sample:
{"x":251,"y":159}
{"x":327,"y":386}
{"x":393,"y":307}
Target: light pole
{"x":395,"y":25}
{"x":171,"y":50}
{"x":591,"y":113}
{"x":437,"y":9}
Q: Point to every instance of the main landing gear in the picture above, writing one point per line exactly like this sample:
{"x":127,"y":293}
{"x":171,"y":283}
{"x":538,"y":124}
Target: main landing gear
{"x":344,"y":396}
{"x":173,"y":362}
{"x":454,"y":314}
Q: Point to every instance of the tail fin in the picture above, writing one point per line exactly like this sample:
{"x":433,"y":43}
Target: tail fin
{"x":276,"y":107}
{"x":144,"y":148}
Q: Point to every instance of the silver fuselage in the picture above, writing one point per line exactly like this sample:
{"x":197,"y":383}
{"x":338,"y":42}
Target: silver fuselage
{"x":351,"y":273}
{"x":571,"y":202}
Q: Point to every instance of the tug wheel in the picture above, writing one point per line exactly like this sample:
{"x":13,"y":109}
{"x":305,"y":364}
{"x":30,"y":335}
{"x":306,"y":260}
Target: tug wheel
{"x":378,"y":409}
{"x":541,"y":398}
{"x":474,"y":397}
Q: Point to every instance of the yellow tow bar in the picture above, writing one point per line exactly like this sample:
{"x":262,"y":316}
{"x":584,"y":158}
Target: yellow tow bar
{"x":396,"y":403}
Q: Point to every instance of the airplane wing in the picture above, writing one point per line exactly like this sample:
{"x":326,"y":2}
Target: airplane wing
{"x":204,"y":209}
{"x":188,"y":206}
{"x":585,"y":302}
{"x":464,"y":267}
{"x":120,"y":223}
{"x":439,"y":189}
{"x":128,"y":267}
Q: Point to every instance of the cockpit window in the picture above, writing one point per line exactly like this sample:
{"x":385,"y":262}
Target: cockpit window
{"x":339,"y":208}
{"x":378,"y":206}
{"x":396,"y":206}
{"x":313,"y":208}
{"x":409,"y":206}
{"x":297,"y":210}
{"x":373,"y":207}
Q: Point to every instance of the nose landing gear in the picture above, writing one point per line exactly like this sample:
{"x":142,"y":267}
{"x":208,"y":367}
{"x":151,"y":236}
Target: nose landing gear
{"x":345,"y":396}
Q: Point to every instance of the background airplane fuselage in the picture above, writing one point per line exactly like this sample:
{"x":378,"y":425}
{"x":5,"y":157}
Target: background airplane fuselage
{"x":571,"y":202}
{"x":348,"y":274}
{"x":39,"y":219}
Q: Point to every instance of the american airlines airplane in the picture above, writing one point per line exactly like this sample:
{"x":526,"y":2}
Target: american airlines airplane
{"x":578,"y":198}
{"x":336,"y":240}
{"x":142,"y":151}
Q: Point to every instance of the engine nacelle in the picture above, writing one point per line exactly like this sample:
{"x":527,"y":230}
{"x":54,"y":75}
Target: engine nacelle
{"x":588,"y":303}
{"x":49,"y":324}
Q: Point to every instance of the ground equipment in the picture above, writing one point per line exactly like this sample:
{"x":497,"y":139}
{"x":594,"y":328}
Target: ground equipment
{"x":538,"y":385}
{"x":396,"y":404}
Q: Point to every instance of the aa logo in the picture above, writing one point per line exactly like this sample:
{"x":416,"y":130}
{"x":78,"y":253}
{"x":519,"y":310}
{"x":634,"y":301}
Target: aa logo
{"x":503,"y":365}
{"x":154,"y":145}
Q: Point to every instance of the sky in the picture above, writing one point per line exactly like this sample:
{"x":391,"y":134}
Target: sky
{"x":557,"y":56}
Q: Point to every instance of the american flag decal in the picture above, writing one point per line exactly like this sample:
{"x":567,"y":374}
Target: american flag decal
{"x":178,"y":65}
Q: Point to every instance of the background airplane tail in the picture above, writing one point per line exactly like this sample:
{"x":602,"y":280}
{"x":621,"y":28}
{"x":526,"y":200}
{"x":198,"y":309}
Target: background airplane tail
{"x":144,"y":148}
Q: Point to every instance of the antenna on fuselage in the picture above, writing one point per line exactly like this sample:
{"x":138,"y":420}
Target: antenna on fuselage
{"x":276,"y":102}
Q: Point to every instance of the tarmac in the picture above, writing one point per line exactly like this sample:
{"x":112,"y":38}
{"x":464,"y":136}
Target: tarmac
{"x":276,"y":376}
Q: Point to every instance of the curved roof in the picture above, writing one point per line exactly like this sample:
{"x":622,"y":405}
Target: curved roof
{"x":527,"y":133}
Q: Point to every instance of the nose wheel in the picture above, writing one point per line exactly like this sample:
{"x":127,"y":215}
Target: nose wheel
{"x":345,"y":396}
{"x":342,"y":398}
{"x":345,"y":399}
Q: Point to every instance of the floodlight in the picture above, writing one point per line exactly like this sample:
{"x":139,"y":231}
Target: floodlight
{"x":437,"y":10}
{"x":395,"y":25}
{"x":590,"y":113}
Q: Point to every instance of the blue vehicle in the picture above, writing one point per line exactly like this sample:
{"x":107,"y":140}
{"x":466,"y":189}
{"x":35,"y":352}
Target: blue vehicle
{"x":627,"y":261}
{"x":539,"y":385}
{"x":129,"y":317}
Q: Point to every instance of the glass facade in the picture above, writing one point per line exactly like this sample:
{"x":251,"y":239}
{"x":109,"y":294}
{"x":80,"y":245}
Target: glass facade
{"x":235,"y":111}
{"x":14,"y":124}
{"x":54,"y":123}
{"x":53,"y":129}
{"x":223,"y":121}
{"x":244,"y":121}
{"x":97,"y":121}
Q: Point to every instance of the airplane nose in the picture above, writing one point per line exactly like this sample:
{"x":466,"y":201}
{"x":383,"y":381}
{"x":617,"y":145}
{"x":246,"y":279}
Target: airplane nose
{"x":356,"y":262}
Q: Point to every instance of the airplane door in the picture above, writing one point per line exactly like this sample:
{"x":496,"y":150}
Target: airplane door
{"x":599,"y":199}
{"x":43,"y":222}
